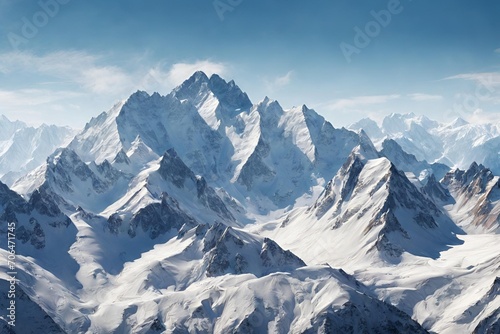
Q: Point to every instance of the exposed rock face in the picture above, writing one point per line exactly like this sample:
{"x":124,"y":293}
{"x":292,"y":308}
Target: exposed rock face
{"x":255,"y":168}
{"x":62,"y":165}
{"x":8,"y":196}
{"x":32,"y":319}
{"x":226,"y":252}
{"x":348,"y":175}
{"x":407,"y":195}
{"x":273,"y":256}
{"x":121,"y":158}
{"x":173,"y":169}
{"x":219,"y":259}
{"x":156,"y":327}
{"x":114,"y":223}
{"x":436,"y":191}
{"x":70,"y":182}
{"x":269,"y":154}
{"x":489,"y":325}
{"x":390,"y":320}
{"x":472,"y":181}
{"x":476,"y":192}
{"x":159,"y":218}
{"x":154,"y":219}
{"x":108,"y":172}
{"x":13,"y":208}
{"x":45,"y":202}
{"x":36,"y":235}
{"x":158,"y":187}
{"x":178,"y":124}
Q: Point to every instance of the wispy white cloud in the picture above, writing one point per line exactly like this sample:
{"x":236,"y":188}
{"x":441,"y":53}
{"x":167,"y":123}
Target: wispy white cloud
{"x":479,"y":116}
{"x":163,"y":78}
{"x":497,"y":50}
{"x":181,"y":71}
{"x":75,"y":67}
{"x":54,"y":78}
{"x":487,"y":88}
{"x":36,"y":106}
{"x":91,"y":74}
{"x":360,"y":101}
{"x":279,"y":81}
{"x":487,"y":79}
{"x":12,"y":99}
{"x":424,"y":97}
{"x":104,"y":80}
{"x":283,"y":80}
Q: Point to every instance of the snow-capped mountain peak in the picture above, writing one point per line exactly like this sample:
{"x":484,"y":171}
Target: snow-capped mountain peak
{"x":216,"y":99}
{"x":408,"y":162}
{"x":370,"y":205}
{"x":458,"y":122}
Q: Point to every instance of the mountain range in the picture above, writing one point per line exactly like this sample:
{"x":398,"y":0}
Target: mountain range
{"x":23,"y":148}
{"x":201,"y":211}
{"x":456,"y":144}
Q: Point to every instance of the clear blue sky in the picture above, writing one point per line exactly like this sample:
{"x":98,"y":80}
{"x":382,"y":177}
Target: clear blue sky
{"x":439,"y":58}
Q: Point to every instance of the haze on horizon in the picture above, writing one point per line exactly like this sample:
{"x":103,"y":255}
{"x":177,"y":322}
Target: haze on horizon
{"x":65,"y":61}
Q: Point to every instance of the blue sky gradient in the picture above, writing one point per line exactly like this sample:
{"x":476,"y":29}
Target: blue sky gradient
{"x":440,"y":58}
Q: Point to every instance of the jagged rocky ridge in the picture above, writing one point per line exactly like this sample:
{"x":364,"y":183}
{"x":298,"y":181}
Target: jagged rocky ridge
{"x":409,"y":163}
{"x":376,"y":192}
{"x":477,"y":198}
{"x":33,"y":218}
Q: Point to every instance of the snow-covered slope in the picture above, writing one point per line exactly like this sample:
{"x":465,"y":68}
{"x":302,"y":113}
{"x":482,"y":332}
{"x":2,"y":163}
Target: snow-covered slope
{"x":23,"y":148}
{"x":213,"y":280}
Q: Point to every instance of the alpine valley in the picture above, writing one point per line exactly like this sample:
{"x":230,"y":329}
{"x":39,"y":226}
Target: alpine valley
{"x":202,"y":212}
